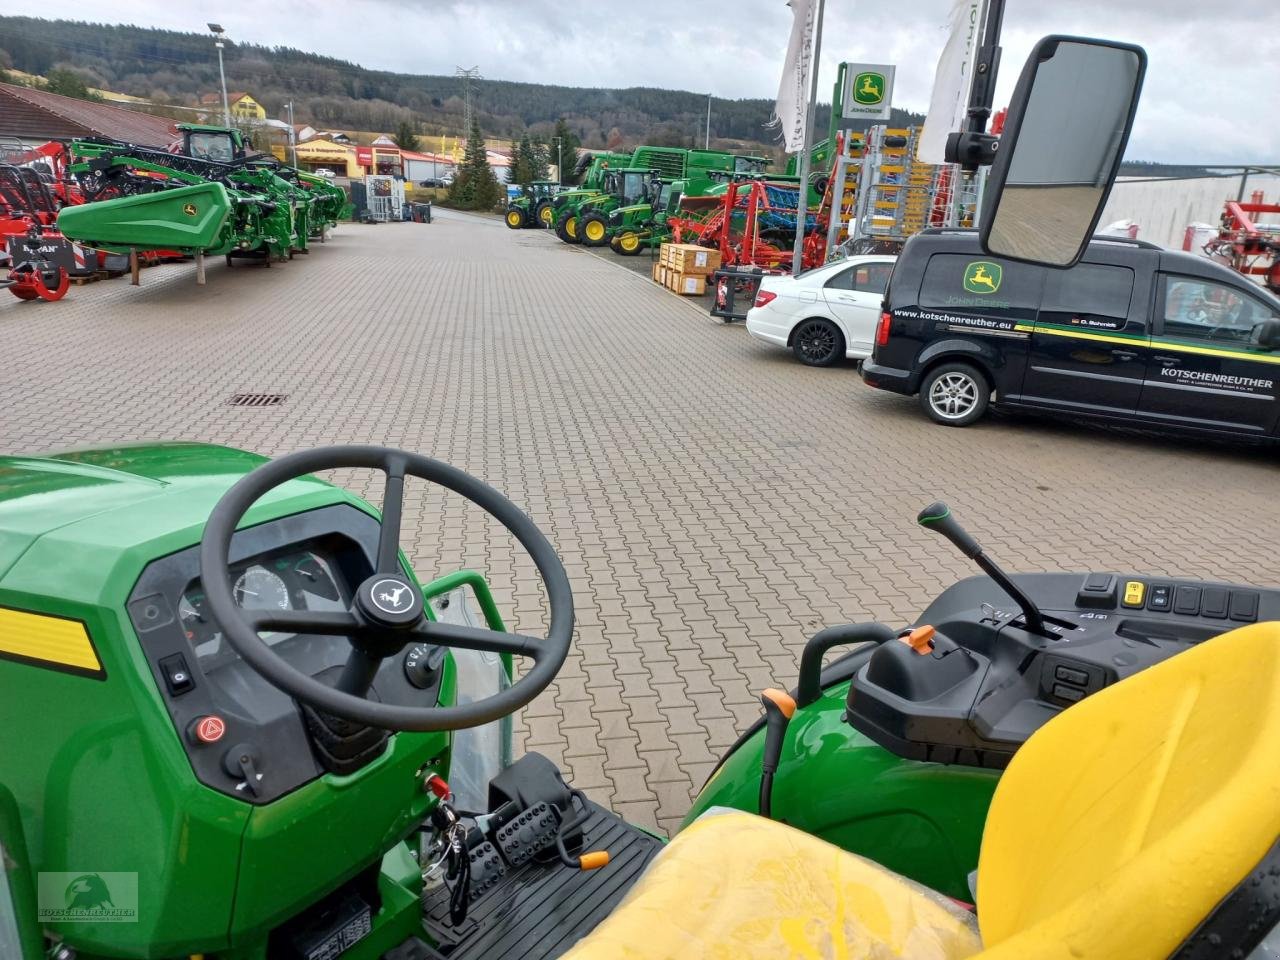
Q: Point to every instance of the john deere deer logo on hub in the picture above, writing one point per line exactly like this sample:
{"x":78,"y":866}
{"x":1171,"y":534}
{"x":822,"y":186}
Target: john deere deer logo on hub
{"x":868,"y":88}
{"x":983,"y":276}
{"x":87,"y":897}
{"x":189,"y":209}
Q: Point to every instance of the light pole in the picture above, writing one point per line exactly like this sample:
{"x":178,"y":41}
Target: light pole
{"x":708,"y":143}
{"x":218,"y":34}
{"x":559,"y":160}
{"x":293,"y":136}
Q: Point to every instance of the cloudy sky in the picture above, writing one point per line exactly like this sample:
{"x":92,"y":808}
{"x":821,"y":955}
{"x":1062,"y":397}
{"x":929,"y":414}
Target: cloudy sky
{"x":1210,"y":93}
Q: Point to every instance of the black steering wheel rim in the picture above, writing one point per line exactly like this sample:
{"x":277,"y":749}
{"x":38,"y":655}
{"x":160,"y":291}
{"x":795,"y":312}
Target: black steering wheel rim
{"x":373,"y":641}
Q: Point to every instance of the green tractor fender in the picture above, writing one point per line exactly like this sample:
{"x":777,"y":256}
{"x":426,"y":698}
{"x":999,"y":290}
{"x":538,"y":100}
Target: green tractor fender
{"x":19,"y":932}
{"x":923,"y":820}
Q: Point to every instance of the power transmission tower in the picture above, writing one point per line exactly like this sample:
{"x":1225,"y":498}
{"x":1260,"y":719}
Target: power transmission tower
{"x":467,"y":74}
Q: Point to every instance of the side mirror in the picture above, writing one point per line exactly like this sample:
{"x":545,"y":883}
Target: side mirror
{"x":1064,"y":137}
{"x":1266,"y":334}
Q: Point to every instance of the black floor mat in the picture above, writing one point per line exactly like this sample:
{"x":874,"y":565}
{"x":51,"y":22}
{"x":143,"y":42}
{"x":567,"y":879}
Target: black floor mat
{"x":540,"y":910}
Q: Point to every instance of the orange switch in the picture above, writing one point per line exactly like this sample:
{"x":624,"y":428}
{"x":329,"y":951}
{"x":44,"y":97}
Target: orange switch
{"x":920,"y":639}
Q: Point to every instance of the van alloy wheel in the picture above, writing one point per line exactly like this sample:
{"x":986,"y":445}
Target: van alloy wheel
{"x":953,"y":395}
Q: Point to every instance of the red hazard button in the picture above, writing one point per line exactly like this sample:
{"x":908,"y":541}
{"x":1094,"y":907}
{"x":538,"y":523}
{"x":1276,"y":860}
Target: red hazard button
{"x":208,"y":729}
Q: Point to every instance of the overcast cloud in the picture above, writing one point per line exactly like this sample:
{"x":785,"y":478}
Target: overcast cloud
{"x":1210,"y":95}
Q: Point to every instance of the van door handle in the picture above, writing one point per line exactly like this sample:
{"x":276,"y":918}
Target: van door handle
{"x":1124,"y":354}
{"x":1170,"y":361}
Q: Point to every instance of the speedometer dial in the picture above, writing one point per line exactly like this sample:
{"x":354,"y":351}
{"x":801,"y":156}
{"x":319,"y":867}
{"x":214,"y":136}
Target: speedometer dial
{"x":260,"y":589}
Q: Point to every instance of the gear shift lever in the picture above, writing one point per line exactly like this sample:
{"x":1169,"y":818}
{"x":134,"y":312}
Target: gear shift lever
{"x":778,"y":710}
{"x":938,"y":516}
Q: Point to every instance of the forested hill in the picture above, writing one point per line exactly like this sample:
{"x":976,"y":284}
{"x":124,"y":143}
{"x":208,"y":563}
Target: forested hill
{"x":165,"y":66}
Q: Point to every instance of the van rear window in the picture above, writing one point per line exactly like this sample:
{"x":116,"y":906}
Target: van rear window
{"x":981,"y":285}
{"x":1088,"y":294}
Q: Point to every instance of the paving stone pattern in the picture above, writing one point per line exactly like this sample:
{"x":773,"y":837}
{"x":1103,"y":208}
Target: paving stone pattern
{"x":714,"y":501}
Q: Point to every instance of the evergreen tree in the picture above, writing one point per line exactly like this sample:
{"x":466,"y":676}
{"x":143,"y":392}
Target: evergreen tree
{"x":565,"y":148}
{"x":475,"y":187}
{"x":521,"y":168}
{"x":538,"y":161}
{"x":69,"y":84}
{"x":406,"y":138}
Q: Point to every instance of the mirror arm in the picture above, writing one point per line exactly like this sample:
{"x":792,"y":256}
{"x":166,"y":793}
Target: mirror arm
{"x":973,"y":147}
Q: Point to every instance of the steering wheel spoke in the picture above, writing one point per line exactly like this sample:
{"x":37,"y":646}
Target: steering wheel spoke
{"x":329,"y":623}
{"x":478,"y":638}
{"x":392,"y":510}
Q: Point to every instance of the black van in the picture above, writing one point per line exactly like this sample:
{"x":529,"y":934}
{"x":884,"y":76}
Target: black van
{"x":1133,"y":332}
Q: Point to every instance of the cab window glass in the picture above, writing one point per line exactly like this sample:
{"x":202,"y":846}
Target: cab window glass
{"x":1207,"y":310}
{"x":981,"y":285}
{"x":1088,"y":294}
{"x":864,"y":278}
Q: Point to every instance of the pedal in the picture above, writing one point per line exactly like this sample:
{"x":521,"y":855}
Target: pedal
{"x":531,"y":831}
{"x":487,"y":868}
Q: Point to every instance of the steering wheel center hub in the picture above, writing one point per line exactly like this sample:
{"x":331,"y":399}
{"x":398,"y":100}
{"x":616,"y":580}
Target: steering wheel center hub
{"x":390,"y":600}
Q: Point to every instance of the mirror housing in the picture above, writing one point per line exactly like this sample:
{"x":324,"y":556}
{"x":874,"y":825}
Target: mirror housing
{"x":1064,"y":137}
{"x":1266,"y":334}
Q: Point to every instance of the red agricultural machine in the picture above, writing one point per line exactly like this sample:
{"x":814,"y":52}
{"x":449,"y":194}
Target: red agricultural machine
{"x":1245,"y":245}
{"x":38,"y":253}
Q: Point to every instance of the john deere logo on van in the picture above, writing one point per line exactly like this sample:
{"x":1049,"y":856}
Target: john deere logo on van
{"x":189,"y":209}
{"x":868,"y":89}
{"x":983,"y":276}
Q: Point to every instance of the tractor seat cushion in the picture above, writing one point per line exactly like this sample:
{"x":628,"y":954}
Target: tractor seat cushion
{"x":734,"y":885}
{"x":1124,"y":821}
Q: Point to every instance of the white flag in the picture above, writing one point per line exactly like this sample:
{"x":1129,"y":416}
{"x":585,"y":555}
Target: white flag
{"x":950,"y":101}
{"x":791,"y":109}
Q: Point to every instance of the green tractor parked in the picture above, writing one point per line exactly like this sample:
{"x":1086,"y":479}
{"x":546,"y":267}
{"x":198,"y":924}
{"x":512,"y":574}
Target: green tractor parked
{"x":632,"y":227}
{"x":592,"y":169}
{"x":628,"y":187}
{"x":533,"y":207}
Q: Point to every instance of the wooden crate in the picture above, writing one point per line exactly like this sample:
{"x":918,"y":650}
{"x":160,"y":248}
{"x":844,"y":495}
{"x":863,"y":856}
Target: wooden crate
{"x":686,"y":284}
{"x":693,"y":260}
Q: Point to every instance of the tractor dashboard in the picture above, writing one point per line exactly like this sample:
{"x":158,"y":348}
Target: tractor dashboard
{"x":244,"y":737}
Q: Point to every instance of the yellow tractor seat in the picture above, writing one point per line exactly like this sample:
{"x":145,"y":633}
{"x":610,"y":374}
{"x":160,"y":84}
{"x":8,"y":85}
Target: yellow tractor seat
{"x":1118,"y":828}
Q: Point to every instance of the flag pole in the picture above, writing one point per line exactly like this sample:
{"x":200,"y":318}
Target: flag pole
{"x":802,"y":204}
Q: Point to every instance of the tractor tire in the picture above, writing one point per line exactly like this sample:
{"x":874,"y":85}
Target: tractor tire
{"x":594,"y":230}
{"x":545,"y":214}
{"x":567,"y":228}
{"x":627,"y":243}
{"x":514,"y":218}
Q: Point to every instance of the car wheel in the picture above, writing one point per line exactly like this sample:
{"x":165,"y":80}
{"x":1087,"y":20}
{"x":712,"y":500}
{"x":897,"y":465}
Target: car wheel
{"x":817,"y":343}
{"x":955,"y":394}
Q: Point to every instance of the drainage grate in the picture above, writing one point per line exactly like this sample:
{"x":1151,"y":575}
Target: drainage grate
{"x":258,"y":399}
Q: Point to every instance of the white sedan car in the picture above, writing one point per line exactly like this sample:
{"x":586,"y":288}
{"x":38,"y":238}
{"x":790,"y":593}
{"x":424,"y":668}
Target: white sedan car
{"x":823,"y":314}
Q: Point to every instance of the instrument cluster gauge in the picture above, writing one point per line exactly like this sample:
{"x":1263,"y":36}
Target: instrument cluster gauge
{"x":201,"y":632}
{"x":260,"y":589}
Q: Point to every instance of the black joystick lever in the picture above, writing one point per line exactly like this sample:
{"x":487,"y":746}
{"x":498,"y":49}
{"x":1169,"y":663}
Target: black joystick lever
{"x":778,"y":710}
{"x":938,"y":516}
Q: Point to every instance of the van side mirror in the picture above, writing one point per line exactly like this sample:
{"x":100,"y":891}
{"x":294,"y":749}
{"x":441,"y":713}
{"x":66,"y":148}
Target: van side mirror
{"x":1064,"y":137}
{"x":1266,"y":334}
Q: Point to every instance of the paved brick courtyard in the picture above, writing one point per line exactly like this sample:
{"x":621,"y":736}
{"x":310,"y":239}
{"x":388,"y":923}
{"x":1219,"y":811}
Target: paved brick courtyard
{"x":714,"y":501}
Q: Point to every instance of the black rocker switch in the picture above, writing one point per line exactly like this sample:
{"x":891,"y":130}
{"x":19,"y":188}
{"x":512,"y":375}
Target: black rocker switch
{"x":177,"y":677}
{"x":1097,"y":592}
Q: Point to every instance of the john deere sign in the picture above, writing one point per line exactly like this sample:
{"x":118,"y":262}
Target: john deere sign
{"x":868,"y":91}
{"x":983,"y":276}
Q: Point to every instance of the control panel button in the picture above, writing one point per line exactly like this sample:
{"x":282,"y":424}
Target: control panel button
{"x":1213,"y":603}
{"x":1067,"y":675}
{"x":1097,"y":591}
{"x":1244,"y":606}
{"x":1186,"y":601}
{"x":210,"y":729}
{"x":1063,"y":692}
{"x":1135,"y":591}
{"x":1160,"y":597}
{"x":177,"y":677}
